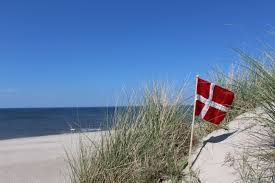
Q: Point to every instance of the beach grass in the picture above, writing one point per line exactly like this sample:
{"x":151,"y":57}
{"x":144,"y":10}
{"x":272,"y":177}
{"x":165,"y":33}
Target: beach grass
{"x":262,"y":169}
{"x":149,"y":142}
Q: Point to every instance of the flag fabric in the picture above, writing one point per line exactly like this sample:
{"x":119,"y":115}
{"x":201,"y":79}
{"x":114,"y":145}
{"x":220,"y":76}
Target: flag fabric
{"x":212,"y":101}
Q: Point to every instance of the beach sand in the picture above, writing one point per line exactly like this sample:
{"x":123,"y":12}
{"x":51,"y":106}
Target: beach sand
{"x":38,"y":159}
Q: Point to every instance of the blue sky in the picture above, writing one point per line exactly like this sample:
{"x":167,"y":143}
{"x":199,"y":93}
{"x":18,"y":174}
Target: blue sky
{"x":82,"y":53}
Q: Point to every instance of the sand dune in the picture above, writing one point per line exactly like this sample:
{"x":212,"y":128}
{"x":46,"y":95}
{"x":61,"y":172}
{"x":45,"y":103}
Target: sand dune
{"x":219,"y":157}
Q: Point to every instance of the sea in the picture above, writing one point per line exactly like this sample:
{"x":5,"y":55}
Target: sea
{"x":30,"y":122}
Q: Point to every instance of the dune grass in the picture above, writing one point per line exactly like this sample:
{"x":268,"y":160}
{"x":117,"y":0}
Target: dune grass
{"x":264,"y":171}
{"x":148,"y":143}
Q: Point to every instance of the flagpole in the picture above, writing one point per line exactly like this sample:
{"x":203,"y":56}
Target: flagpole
{"x":192,"y":126}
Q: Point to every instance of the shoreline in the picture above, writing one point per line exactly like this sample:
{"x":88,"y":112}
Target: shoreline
{"x":35,"y":136}
{"x":54,"y":134}
{"x":39,"y":159}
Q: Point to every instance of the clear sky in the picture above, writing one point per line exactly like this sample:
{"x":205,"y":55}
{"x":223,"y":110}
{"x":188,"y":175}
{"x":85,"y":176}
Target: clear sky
{"x":82,"y":53}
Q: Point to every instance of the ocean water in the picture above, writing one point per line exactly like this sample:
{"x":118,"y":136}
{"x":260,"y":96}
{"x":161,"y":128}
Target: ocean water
{"x":28,"y":122}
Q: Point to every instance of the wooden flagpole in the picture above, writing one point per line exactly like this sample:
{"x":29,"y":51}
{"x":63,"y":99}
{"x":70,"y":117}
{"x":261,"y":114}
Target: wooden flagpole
{"x":192,"y":127}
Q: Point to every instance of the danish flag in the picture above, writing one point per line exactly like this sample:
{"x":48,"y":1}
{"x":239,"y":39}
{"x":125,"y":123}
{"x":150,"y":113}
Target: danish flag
{"x":212,"y":101}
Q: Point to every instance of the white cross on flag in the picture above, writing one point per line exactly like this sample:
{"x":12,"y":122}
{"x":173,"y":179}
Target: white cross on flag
{"x":212,"y":101}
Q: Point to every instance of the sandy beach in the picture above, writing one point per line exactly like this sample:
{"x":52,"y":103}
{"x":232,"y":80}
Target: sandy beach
{"x":38,"y":159}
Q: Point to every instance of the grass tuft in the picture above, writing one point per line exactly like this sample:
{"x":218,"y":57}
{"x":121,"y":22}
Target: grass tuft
{"x":148,"y":143}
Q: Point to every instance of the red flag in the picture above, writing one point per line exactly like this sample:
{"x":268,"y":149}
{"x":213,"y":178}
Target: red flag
{"x":212,"y":101}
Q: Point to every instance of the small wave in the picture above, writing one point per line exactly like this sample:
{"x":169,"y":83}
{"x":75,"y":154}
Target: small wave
{"x":85,"y":129}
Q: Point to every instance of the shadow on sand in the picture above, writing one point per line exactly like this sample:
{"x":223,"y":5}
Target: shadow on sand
{"x":212,"y":139}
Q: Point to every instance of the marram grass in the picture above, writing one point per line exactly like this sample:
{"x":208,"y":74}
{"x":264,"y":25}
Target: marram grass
{"x":148,"y":143}
{"x":264,"y":68}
